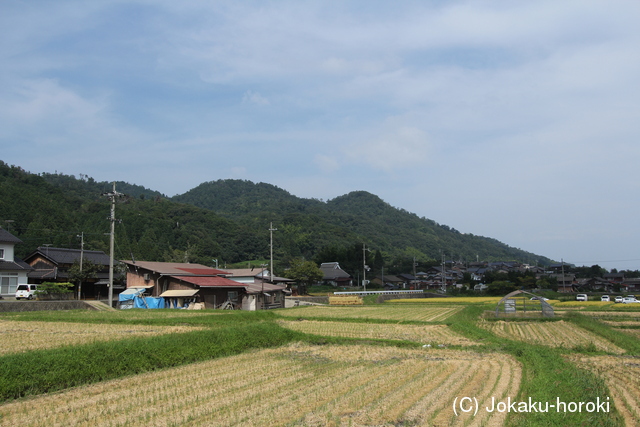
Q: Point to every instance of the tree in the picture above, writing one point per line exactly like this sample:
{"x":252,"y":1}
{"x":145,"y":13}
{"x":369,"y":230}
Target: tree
{"x":305,"y":273}
{"x":89,"y":271}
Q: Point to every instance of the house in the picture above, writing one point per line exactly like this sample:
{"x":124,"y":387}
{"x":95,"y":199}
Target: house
{"x":631,"y":284}
{"x":409,"y":281}
{"x":180,"y":282}
{"x":53,"y":265}
{"x":594,"y":284}
{"x":566,"y":282}
{"x":334,"y":275}
{"x":13,"y":270}
{"x":388,"y":281}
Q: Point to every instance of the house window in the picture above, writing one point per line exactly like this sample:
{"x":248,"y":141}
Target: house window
{"x":1,"y":253}
{"x":233,"y":296}
{"x":9,"y":283}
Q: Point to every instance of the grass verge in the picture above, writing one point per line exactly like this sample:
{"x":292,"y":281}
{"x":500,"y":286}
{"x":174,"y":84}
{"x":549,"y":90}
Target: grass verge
{"x":547,"y":377}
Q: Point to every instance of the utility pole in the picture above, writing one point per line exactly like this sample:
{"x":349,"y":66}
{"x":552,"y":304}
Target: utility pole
{"x":112,"y":197}
{"x":81,"y":236}
{"x":271,"y":230}
{"x":444,"y":274}
{"x":364,"y":266}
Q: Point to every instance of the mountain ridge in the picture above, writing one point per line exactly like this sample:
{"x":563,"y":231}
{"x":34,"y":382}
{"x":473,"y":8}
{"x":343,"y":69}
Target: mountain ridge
{"x":229,"y":220}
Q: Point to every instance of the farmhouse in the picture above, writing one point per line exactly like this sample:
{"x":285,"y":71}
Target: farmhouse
{"x":13,"y":270}
{"x":334,"y":275}
{"x":179,"y":281}
{"x":53,"y":265}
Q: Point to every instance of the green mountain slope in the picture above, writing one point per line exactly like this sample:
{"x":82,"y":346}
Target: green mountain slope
{"x":229,"y":220}
{"x":306,"y":226}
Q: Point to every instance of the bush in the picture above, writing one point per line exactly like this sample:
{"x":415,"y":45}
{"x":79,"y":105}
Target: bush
{"x":54,"y":290}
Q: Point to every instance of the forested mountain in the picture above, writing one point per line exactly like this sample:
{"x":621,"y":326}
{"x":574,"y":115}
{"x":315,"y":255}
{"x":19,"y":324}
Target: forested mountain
{"x":229,"y":220}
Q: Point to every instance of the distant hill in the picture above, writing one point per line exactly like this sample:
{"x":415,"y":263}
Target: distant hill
{"x":309,"y":225}
{"x":229,"y":220}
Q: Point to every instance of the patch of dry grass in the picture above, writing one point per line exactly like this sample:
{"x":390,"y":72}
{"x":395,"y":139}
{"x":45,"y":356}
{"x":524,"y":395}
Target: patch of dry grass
{"x":420,"y":313}
{"x":554,"y":334}
{"x":295,"y":385}
{"x":426,"y":334}
{"x":622,"y":375}
{"x":22,"y":336}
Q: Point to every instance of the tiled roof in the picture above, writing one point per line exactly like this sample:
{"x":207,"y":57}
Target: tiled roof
{"x":7,"y":237}
{"x":175,"y":268}
{"x":69,"y":256}
{"x":16,"y":265}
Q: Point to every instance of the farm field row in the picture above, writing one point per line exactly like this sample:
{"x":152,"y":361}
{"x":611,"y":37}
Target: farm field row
{"x":622,"y":375}
{"x":294,"y":385}
{"x":20,"y":336}
{"x":425,"y":334}
{"x":555,"y":334}
{"x":423,"y":313}
{"x":313,"y":385}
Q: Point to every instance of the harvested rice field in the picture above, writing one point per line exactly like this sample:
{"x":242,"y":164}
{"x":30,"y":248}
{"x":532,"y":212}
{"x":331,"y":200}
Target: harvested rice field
{"x":425,"y":334}
{"x":555,"y":334}
{"x":622,"y":375}
{"x":297,"y":385}
{"x":420,"y":313}
{"x":22,"y":336}
{"x":633,"y":332}
{"x":612,"y":314}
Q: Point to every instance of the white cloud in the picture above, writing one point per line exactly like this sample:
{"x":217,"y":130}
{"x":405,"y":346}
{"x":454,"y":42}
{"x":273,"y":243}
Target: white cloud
{"x":251,"y":97}
{"x":509,"y":103}
{"x":326,"y":163}
{"x":396,"y":149}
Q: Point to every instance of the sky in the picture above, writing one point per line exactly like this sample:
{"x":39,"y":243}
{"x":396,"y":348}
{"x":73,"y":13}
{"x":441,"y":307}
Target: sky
{"x":515,"y":120}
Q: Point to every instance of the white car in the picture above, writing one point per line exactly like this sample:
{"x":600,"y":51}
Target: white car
{"x":582,"y":297}
{"x":25,"y":291}
{"x":604,"y":298}
{"x":618,"y":299}
{"x":629,"y":300}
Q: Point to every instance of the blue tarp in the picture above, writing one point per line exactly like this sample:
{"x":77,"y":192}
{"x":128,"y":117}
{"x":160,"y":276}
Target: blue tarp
{"x":129,"y":294}
{"x":131,"y":298}
{"x":148,"y":302}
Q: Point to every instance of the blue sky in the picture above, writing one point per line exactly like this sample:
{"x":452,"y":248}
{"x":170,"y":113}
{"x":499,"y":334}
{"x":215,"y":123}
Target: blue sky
{"x":512,"y":120}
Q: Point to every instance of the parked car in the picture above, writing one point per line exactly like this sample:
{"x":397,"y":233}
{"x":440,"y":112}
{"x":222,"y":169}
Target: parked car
{"x":25,"y":291}
{"x":582,"y":297}
{"x":604,"y":298}
{"x":629,"y":300}
{"x":618,"y":299}
{"x":539,"y":298}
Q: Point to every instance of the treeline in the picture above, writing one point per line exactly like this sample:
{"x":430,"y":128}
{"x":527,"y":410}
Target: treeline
{"x":229,"y":220}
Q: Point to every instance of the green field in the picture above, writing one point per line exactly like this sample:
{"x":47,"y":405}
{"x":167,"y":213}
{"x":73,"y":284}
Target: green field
{"x":383,"y":364}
